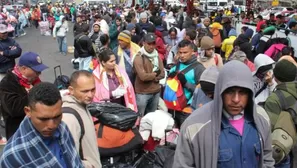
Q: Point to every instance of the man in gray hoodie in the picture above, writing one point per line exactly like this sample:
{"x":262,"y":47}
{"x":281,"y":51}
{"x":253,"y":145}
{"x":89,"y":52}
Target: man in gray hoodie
{"x":229,"y":131}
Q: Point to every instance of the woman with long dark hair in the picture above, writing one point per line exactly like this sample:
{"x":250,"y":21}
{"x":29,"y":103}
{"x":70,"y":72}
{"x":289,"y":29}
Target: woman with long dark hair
{"x":112,"y":82}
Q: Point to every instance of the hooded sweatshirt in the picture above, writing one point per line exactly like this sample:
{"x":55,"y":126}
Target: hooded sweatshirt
{"x":198,"y":143}
{"x":61,"y":28}
{"x":260,"y":61}
{"x":169,"y":19}
{"x":89,"y":141}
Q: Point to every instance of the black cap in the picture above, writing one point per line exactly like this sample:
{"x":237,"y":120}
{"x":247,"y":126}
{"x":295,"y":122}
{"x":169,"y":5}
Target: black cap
{"x":285,"y":71}
{"x":149,"y":38}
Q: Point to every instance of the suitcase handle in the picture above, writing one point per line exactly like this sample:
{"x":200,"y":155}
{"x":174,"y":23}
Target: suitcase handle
{"x":55,"y":70}
{"x":166,"y":130}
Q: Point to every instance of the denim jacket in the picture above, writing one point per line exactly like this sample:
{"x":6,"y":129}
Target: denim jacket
{"x":239,"y":151}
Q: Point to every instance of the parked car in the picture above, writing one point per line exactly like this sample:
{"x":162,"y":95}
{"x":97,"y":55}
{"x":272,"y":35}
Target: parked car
{"x":280,"y":9}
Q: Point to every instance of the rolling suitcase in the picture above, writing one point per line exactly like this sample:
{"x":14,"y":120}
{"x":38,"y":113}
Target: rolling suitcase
{"x":61,"y":81}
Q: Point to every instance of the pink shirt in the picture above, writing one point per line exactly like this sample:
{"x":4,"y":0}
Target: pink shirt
{"x":238,"y":124}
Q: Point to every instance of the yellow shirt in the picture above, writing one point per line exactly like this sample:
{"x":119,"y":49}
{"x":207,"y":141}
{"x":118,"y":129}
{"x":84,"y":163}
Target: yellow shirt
{"x":227,"y":46}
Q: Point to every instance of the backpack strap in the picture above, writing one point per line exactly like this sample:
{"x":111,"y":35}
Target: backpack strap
{"x":261,"y":89}
{"x":216,"y":59}
{"x":281,"y":98}
{"x":190,"y":67}
{"x":284,"y":104}
{"x":70,"y":110}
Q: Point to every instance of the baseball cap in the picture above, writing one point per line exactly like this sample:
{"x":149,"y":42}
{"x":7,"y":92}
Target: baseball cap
{"x":33,"y":61}
{"x":149,"y":38}
{"x":3,"y":28}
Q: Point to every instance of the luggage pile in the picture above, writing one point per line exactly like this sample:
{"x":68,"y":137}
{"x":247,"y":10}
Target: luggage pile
{"x":120,"y":142}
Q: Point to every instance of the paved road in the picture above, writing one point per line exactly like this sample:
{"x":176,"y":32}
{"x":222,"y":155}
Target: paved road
{"x":47,"y":47}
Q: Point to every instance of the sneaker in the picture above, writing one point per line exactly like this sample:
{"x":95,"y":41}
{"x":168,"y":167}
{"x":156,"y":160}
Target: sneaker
{"x":23,"y":34}
{"x":64,"y":53}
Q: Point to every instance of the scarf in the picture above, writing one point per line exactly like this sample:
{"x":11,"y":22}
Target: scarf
{"x":134,"y":48}
{"x":23,"y":80}
{"x":153,"y":57}
{"x":204,"y":58}
{"x":103,"y":76}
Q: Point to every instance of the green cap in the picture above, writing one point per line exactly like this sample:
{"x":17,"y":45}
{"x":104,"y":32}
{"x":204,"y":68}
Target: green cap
{"x":269,"y":30}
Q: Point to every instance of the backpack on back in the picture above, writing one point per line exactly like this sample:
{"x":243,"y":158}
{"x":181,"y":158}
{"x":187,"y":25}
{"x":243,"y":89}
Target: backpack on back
{"x":274,"y":51}
{"x":284,"y":132}
{"x":216,"y":36}
{"x":277,"y":40}
{"x":174,"y":96}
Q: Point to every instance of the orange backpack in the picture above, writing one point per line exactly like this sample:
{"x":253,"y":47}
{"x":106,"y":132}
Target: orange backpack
{"x":216,"y":36}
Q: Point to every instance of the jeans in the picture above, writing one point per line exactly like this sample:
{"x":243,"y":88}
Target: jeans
{"x":44,"y":16}
{"x":21,"y":29}
{"x":84,"y":63}
{"x":147,"y":103}
{"x":36,"y":24}
{"x":72,"y":18}
{"x":62,"y":44}
{"x":15,"y":32}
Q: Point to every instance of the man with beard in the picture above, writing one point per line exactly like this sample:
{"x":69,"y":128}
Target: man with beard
{"x":14,"y":89}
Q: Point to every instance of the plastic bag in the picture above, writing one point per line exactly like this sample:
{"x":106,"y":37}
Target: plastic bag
{"x":147,"y":160}
{"x":156,"y":159}
{"x":113,"y":115}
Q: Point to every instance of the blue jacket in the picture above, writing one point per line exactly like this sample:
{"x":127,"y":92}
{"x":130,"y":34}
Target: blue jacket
{"x":192,"y":77}
{"x":7,"y":60}
{"x":256,"y":39}
{"x":129,"y":68}
{"x":199,"y":99}
{"x":236,"y":150}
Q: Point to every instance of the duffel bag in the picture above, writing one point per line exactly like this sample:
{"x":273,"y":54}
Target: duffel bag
{"x":114,"y":142}
{"x":113,"y":115}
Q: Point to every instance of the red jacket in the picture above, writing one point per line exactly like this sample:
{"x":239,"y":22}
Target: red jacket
{"x":259,"y":24}
{"x":160,"y":45}
{"x":250,"y":65}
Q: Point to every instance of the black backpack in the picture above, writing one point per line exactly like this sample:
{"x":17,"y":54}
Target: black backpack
{"x":61,"y":81}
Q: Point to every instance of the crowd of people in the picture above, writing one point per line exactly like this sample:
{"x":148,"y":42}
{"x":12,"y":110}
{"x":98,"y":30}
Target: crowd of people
{"x":231,"y":95}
